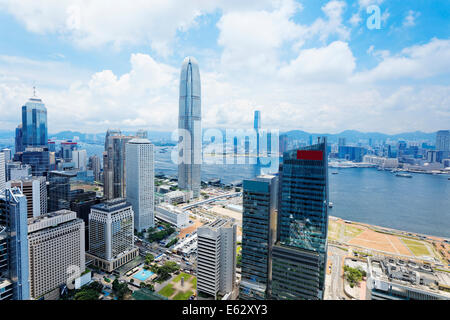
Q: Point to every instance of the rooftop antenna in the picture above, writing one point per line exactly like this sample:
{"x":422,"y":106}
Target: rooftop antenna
{"x":34,"y":91}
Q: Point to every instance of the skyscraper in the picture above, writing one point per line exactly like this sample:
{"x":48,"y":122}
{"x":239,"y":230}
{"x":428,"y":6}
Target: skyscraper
{"x":257,"y":127}
{"x":140,"y":193}
{"x":2,"y":171}
{"x":216,"y":257}
{"x":94,"y":164}
{"x":79,"y":157}
{"x":443,"y":140}
{"x":111,"y":233}
{"x":34,"y":123}
{"x":38,"y":158}
{"x":56,"y":244}
{"x":299,"y":255}
{"x":114,"y":171}
{"x":35,"y":189}
{"x":13,"y":246}
{"x":18,"y":142}
{"x":189,"y":125}
{"x":258,"y":234}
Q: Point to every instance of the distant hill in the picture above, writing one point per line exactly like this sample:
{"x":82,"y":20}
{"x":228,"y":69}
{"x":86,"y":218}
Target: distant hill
{"x":353,"y":136}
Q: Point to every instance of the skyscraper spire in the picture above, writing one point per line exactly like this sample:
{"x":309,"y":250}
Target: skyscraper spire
{"x":189,"y":125}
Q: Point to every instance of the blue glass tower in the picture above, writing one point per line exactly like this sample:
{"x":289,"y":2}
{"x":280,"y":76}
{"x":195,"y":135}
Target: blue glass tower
{"x":258,"y":235}
{"x":34,"y":123}
{"x":13,"y":225}
{"x":189,"y":125}
{"x":299,"y":256}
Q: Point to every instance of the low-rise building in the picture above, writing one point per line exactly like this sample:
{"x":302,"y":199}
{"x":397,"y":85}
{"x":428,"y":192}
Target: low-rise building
{"x":396,"y":279}
{"x":178,"y":196}
{"x":172,"y":215}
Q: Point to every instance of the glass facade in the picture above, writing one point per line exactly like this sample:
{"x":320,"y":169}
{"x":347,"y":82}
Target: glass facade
{"x":13,"y":222}
{"x":38,"y":159}
{"x":258,"y":233}
{"x":189,"y":124}
{"x":59,"y":194}
{"x":34,"y":123}
{"x":302,"y":223}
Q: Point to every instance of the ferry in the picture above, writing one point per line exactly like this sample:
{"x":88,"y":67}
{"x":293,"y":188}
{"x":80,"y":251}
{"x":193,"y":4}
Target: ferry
{"x":403,"y":175}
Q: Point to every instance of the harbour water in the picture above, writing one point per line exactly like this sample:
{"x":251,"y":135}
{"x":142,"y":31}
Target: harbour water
{"x":420,"y":204}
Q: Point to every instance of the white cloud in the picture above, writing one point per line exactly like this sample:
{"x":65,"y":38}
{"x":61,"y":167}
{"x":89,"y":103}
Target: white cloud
{"x":416,"y":62}
{"x":410,"y":19}
{"x":315,"y":89}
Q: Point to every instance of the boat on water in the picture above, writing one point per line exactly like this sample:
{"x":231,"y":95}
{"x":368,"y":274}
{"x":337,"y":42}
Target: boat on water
{"x":335,"y":172}
{"x":330,"y":204}
{"x":403,"y":175}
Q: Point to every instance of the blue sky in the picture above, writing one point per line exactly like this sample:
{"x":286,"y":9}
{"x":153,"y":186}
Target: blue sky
{"x":307,"y":65}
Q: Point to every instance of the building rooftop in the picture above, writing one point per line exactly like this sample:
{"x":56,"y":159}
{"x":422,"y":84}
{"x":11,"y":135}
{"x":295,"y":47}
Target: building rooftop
{"x":410,"y":274}
{"x":112,"y":205}
{"x":218,"y":223}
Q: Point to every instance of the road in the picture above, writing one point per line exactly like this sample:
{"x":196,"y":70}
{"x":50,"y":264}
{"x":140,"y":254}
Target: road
{"x":334,"y":285}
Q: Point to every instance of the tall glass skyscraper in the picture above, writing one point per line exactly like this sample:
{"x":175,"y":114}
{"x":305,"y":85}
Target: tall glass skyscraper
{"x":258,"y":234}
{"x":299,"y":256}
{"x":189,"y":125}
{"x":257,"y":127}
{"x":14,"y":246}
{"x":114,"y":172}
{"x":34,"y":123}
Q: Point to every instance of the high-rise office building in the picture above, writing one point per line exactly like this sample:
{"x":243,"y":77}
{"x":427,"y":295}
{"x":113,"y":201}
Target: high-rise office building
{"x":114,"y":160}
{"x":2,"y":171}
{"x":81,"y":203}
{"x":59,"y":193}
{"x":111,"y":232}
{"x":189,"y":125}
{"x":216,"y":258}
{"x":258,"y":235}
{"x":94,"y":165}
{"x":35,"y":190}
{"x":443,"y":140}
{"x":67,"y":148}
{"x":284,"y":140}
{"x":39,"y":160}
{"x":299,"y":255}
{"x":18,"y":141}
{"x":56,"y":245}
{"x":8,"y":154}
{"x":140,"y":193}
{"x":257,"y":127}
{"x":34,"y":123}
{"x":16,"y":171}
{"x":79,"y":158}
{"x":14,"y":275}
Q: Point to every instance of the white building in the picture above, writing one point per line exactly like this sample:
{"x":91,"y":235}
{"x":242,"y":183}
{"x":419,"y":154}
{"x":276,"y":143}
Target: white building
{"x":216,"y":257}
{"x":79,"y":157}
{"x":178,"y":196}
{"x":172,"y":215}
{"x":111,"y":233}
{"x":140,"y":186}
{"x":2,"y":171}
{"x":381,"y":161}
{"x":56,"y":247}
{"x":35,"y":190}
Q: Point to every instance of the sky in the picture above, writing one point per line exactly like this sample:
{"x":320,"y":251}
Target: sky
{"x":317,"y":66}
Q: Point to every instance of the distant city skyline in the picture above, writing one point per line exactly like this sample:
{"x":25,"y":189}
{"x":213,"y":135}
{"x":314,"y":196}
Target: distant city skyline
{"x":317,"y":68}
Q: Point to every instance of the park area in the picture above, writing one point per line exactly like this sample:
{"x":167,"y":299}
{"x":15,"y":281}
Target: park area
{"x":364,"y":236}
{"x":176,"y":290}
